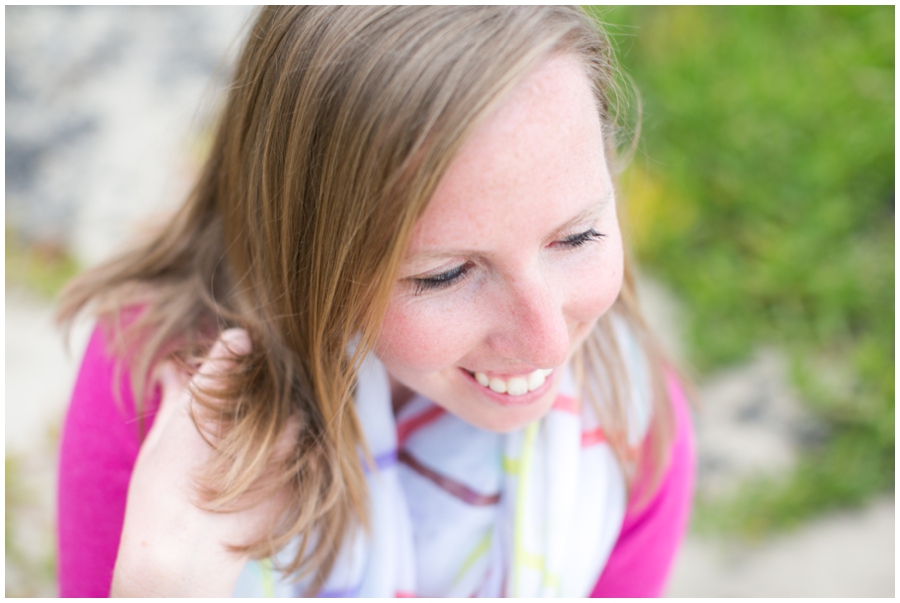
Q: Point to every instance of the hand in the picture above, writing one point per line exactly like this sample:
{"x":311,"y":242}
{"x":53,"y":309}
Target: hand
{"x":169,"y":546}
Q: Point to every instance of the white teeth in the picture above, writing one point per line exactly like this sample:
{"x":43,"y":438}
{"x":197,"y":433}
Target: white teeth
{"x":536,"y":379}
{"x":515,"y":386}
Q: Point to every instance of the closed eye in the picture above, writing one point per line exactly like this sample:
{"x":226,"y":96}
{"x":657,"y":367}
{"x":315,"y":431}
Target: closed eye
{"x":456,"y":275}
{"x":577,"y":240}
{"x":445,"y":279}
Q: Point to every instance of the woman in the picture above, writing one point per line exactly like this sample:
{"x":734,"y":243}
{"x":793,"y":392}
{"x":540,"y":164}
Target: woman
{"x":392,"y":334}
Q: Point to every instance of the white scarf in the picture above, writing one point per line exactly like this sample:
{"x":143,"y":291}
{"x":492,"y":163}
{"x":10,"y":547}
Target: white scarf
{"x":459,"y":511}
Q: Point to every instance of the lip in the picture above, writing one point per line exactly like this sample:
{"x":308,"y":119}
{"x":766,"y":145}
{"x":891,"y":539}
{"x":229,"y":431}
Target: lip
{"x":506,"y":399}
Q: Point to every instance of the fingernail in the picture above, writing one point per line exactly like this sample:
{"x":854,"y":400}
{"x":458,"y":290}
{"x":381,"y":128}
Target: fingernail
{"x":237,"y":340}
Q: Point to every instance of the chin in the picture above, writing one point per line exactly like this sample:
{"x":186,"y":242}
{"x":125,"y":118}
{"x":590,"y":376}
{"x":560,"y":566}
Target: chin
{"x":508,"y":426}
{"x":506,"y":420}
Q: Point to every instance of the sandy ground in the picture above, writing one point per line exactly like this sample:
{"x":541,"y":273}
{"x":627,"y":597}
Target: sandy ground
{"x":103,"y":130}
{"x":846,"y":554}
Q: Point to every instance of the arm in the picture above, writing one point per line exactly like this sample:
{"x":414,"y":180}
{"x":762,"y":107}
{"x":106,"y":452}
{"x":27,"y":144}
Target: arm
{"x":100,"y":443}
{"x":170,"y":546}
{"x":113,"y":488}
{"x":640,"y":562}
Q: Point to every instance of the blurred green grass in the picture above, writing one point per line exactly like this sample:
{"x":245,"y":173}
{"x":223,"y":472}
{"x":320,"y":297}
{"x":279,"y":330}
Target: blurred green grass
{"x":763,"y":194}
{"x":41,"y":268}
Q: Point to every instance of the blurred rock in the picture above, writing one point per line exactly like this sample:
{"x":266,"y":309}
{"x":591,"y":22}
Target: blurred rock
{"x":101,"y":103}
{"x":751,"y":423}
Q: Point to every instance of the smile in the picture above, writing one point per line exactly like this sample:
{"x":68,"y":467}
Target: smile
{"x":513,"y":386}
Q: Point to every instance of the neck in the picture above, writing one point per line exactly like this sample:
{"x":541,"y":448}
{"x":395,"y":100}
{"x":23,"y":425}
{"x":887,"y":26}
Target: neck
{"x":400,"y":395}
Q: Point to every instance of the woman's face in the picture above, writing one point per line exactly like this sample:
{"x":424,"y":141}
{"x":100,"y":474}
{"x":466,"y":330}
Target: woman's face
{"x":516,"y":256}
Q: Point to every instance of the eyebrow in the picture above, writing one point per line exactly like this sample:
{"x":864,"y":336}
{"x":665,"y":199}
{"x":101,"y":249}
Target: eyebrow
{"x":591,"y":212}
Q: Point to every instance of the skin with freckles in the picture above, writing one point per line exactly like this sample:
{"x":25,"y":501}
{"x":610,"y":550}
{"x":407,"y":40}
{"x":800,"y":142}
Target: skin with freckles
{"x":515,"y":258}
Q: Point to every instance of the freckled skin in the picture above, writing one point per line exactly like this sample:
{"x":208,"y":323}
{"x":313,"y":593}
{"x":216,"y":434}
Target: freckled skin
{"x":527,"y":301}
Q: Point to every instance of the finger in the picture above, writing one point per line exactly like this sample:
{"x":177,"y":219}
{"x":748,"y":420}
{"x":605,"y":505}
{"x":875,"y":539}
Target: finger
{"x":173,"y":384}
{"x":231,"y":344}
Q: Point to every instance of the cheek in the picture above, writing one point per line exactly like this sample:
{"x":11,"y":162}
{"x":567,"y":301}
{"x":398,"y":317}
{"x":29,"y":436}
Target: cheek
{"x":421,"y":339}
{"x":611,"y":278}
{"x":598,"y":287}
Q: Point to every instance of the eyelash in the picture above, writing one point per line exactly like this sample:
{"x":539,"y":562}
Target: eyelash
{"x":457,"y":274}
{"x":577,"y":240}
{"x":442,"y":280}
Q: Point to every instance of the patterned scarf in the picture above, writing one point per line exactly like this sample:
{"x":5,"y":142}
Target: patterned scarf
{"x":458,"y":511}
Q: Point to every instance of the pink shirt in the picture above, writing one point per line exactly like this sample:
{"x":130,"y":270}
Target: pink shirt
{"x":100,"y":443}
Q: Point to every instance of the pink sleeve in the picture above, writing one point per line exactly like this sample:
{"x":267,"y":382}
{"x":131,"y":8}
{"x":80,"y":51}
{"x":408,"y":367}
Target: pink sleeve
{"x":100,"y":442}
{"x":640,"y":562}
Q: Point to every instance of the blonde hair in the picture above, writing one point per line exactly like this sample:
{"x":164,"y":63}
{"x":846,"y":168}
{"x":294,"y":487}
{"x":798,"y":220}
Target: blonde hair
{"x":338,"y":127}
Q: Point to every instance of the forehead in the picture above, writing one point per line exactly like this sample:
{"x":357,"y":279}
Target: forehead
{"x":535,"y":161}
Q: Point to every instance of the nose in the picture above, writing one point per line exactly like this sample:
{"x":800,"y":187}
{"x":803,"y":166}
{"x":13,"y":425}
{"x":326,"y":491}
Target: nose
{"x":531,"y":325}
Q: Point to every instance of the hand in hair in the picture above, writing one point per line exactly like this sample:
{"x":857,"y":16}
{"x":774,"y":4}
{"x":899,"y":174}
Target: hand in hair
{"x":170,"y":546}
